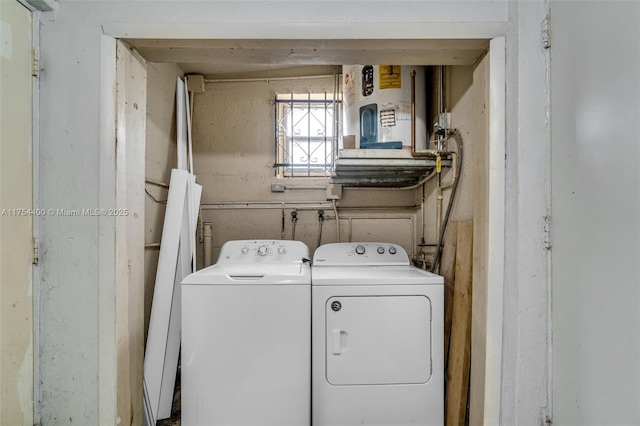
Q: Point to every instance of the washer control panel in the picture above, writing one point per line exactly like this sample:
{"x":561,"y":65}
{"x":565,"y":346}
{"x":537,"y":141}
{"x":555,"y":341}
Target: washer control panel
{"x":360,"y":254}
{"x":263,"y":251}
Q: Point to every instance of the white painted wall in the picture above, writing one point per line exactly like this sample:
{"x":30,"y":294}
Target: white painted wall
{"x":16,"y":226}
{"x":525,"y":353}
{"x":234,"y":153}
{"x":78,"y":264}
{"x":131,"y":98}
{"x":595,"y":82}
{"x":233,"y":140}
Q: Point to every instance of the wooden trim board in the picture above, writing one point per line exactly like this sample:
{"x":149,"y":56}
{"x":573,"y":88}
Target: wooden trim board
{"x":460,"y":343}
{"x":447,"y":270}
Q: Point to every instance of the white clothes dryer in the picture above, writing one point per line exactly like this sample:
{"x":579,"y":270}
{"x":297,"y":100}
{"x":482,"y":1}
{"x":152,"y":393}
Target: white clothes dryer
{"x":377,"y":338}
{"x":246,"y":337}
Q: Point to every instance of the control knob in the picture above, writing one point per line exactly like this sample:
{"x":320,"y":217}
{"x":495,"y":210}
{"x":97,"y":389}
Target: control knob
{"x":380,"y":250}
{"x":360,"y":249}
{"x":262,"y":250}
{"x":392,"y":250}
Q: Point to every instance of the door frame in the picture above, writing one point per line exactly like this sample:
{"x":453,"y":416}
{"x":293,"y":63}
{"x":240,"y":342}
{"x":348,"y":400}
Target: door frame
{"x":36,"y":7}
{"x":495,"y":174}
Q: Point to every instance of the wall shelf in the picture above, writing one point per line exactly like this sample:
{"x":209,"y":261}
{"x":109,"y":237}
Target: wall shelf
{"x":381,"y":167}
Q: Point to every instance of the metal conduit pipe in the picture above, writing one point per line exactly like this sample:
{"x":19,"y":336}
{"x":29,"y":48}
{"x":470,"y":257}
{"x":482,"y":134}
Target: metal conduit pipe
{"x":266,"y":79}
{"x":423,"y":201}
{"x":306,"y":188}
{"x":334,"y":136}
{"x":238,"y":205}
{"x":300,"y":207}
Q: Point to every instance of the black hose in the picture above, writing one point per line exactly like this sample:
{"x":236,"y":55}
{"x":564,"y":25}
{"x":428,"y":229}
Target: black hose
{"x":436,"y":257}
{"x":294,"y":219}
{"x":320,"y":220}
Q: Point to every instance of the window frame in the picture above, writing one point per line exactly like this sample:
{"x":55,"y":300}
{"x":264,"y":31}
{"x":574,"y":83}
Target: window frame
{"x":286,"y":139}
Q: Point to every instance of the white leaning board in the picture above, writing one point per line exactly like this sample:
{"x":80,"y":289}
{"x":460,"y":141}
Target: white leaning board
{"x":174,"y":263}
{"x":181,"y":123}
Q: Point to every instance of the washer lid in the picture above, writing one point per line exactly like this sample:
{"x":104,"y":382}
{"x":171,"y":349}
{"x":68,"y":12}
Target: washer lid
{"x":238,"y":274}
{"x":373,"y":275}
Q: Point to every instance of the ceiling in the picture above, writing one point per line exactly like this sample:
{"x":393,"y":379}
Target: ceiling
{"x":215,"y":57}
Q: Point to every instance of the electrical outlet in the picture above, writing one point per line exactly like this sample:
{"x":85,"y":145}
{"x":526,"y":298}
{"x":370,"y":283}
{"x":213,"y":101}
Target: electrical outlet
{"x":195,"y":83}
{"x":334,"y":191}
{"x":277,"y":187}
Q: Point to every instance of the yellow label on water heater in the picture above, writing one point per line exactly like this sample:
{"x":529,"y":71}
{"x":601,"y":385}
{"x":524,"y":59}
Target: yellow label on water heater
{"x":390,"y":77}
{"x":438,"y":163}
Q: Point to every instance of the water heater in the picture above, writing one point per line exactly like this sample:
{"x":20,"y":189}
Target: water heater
{"x":377,"y":106}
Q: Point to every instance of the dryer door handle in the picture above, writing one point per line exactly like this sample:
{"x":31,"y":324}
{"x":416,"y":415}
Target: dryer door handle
{"x":340,"y":341}
{"x":337,"y":350}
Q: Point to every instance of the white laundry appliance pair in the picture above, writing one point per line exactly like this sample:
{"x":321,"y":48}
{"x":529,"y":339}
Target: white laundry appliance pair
{"x":355,"y":339}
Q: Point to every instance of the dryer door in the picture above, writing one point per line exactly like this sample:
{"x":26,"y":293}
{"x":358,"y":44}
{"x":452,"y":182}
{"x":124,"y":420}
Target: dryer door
{"x":378,"y":340}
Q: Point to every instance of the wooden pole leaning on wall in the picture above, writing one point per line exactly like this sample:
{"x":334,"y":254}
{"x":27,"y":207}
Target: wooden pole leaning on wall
{"x":458,"y":365}
{"x":447,"y":270}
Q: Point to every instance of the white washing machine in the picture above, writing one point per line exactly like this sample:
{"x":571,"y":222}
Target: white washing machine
{"x":246,"y":337}
{"x":377,"y":345}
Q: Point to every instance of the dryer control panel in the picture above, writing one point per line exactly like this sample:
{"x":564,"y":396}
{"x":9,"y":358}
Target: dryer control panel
{"x":360,"y":254}
{"x":263,"y":251}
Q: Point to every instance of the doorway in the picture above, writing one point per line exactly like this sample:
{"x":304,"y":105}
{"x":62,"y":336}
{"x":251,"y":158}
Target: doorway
{"x":492,"y":239}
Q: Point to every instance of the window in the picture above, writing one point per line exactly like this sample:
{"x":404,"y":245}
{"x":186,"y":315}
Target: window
{"x":307,"y":130}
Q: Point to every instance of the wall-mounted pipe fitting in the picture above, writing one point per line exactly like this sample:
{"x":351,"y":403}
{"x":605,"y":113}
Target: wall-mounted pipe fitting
{"x":294,"y":220}
{"x":208,"y":237}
